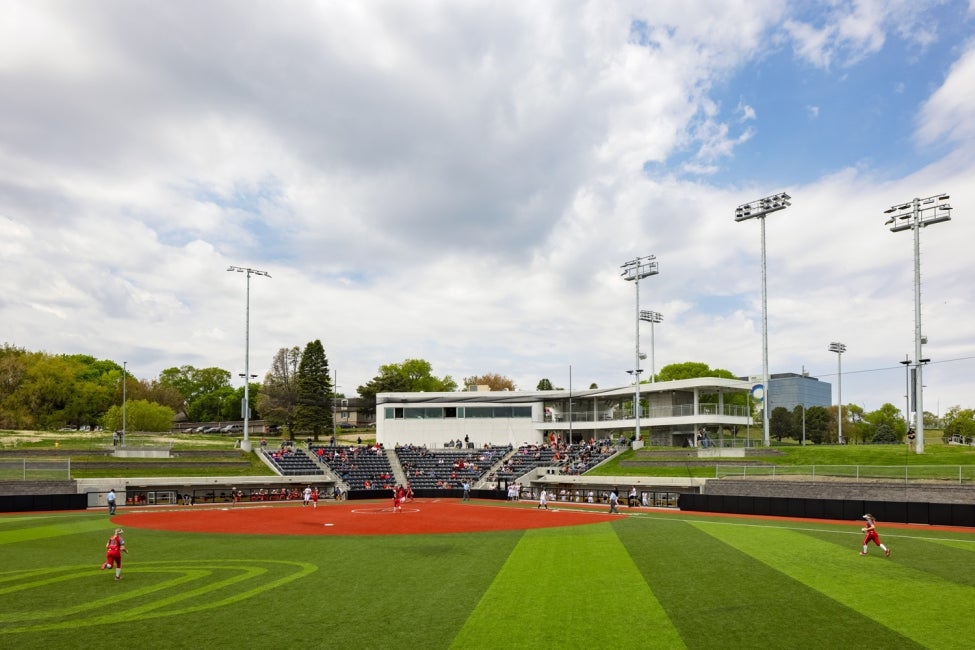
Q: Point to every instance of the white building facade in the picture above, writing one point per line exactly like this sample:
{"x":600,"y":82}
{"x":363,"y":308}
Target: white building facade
{"x":671,"y":413}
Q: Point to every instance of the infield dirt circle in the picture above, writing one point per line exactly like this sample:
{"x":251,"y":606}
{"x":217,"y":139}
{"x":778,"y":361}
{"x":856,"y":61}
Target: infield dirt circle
{"x":359,"y":518}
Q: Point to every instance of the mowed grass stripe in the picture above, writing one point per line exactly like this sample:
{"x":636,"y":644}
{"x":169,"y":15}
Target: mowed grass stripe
{"x":910,"y":601}
{"x":721,"y":597}
{"x":59,"y":528}
{"x":568,"y":588}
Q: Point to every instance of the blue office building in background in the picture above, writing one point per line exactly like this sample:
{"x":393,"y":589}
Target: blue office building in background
{"x":790,"y":390}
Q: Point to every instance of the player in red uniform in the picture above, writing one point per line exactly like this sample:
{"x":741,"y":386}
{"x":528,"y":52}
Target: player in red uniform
{"x":396,"y":499}
{"x":113,"y":555}
{"x":870,"y":531}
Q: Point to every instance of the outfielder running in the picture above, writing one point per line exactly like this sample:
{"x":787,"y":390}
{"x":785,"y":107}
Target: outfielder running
{"x":870,"y":531}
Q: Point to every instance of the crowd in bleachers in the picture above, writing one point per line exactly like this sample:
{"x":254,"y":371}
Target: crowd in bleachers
{"x":570,"y":459}
{"x":292,"y":462}
{"x":361,"y":467}
{"x":368,"y":468}
{"x":447,"y":469}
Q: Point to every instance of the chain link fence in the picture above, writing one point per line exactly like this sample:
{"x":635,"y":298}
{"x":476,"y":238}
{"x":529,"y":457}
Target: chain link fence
{"x":945,"y":474}
{"x":35,"y":470}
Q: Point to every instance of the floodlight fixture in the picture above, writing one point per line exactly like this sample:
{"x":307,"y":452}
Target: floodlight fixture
{"x":651,"y":317}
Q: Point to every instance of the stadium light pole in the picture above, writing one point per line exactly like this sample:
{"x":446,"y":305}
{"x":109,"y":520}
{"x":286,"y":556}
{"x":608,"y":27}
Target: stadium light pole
{"x":919,"y":213}
{"x":651,"y":317}
{"x":839,"y":349}
{"x":124,"y":375}
{"x":907,"y":390}
{"x":758,"y":210}
{"x":335,"y":405}
{"x":634,"y":271}
{"x":245,"y":403}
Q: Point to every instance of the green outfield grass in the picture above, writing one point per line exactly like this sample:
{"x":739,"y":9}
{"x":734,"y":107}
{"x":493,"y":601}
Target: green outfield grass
{"x":649,"y":580}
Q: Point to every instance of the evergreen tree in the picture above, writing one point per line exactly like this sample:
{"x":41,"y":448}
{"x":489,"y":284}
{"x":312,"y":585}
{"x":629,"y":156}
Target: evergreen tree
{"x":314,"y":411}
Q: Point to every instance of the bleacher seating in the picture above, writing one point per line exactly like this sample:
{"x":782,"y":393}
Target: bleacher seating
{"x":361,"y":467}
{"x":293,"y":462}
{"x":447,"y":468}
{"x":577,"y":458}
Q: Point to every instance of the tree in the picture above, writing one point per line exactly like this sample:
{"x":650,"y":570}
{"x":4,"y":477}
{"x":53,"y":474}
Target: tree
{"x":544,"y":384}
{"x":781,"y":424}
{"x":861,"y":430}
{"x":691,"y":370}
{"x":961,"y":423}
{"x":314,"y":390}
{"x":884,"y":434}
{"x":817,"y":424}
{"x":695,"y":369}
{"x":493,"y":380}
{"x":140,"y":415}
{"x":195,"y":384}
{"x":411,"y":376}
{"x":279,"y":396}
{"x":890,"y":417}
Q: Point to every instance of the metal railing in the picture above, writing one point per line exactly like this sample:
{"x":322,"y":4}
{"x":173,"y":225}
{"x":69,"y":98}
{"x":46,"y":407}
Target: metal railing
{"x":678,"y":410}
{"x":946,"y":474}
{"x":35,"y":470}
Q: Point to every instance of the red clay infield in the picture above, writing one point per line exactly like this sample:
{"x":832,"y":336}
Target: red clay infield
{"x":359,"y":518}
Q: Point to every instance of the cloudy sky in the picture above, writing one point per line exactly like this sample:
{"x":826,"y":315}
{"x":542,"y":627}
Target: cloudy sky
{"x":461,"y":182}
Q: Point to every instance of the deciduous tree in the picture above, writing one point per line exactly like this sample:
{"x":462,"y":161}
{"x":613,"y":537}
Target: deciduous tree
{"x":279,"y":396}
{"x":493,"y":380}
{"x":413,"y":375}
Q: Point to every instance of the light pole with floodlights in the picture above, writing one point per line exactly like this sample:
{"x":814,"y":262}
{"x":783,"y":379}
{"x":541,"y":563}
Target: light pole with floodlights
{"x":634,"y":271}
{"x":757,"y":210}
{"x":245,"y":405}
{"x":839,"y":349}
{"x":124,"y":375}
{"x":917,"y":214}
{"x":651,"y":317}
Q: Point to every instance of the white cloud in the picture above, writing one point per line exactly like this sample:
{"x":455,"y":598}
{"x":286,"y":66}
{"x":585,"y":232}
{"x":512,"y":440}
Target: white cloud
{"x":947,"y":114}
{"x":847,"y":32}
{"x":453,"y":181}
